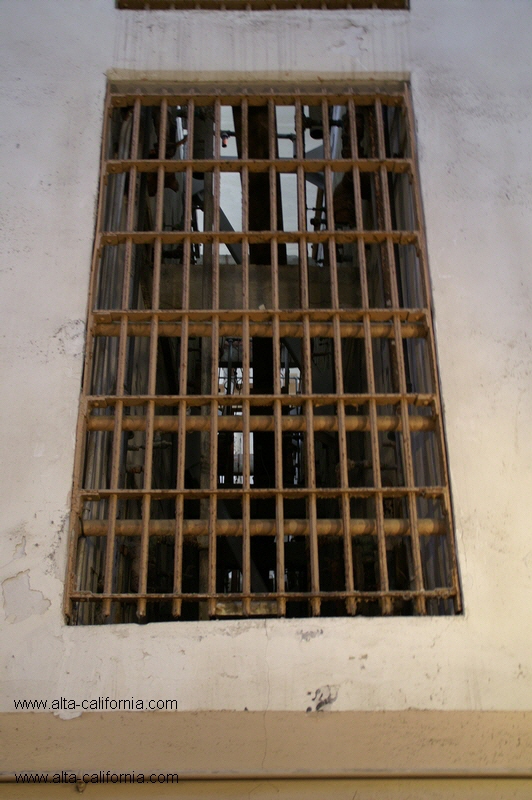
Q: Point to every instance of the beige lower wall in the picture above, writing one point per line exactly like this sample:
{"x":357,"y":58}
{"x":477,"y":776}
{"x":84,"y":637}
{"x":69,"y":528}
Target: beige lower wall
{"x":273,"y":745}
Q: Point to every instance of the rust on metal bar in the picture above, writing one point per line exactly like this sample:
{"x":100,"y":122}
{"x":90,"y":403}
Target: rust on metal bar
{"x":254,"y":165}
{"x":257,"y":95}
{"x":356,"y":400}
{"x":321,"y":422}
{"x":91,"y":495}
{"x":403,"y":594}
{"x":383,"y":330}
{"x":258,"y":237}
{"x":291,"y":527}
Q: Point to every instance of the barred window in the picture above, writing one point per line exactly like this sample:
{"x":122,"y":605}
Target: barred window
{"x":260,"y":430}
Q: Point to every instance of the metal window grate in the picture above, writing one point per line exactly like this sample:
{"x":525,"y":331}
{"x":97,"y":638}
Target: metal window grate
{"x":261,"y":5}
{"x":260,"y":430}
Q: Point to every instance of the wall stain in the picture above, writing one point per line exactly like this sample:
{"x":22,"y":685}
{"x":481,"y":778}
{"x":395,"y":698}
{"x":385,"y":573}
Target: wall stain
{"x":306,"y":636}
{"x":323,"y":697}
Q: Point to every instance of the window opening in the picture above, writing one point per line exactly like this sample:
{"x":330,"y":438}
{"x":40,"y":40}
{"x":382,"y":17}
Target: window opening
{"x":260,"y":430}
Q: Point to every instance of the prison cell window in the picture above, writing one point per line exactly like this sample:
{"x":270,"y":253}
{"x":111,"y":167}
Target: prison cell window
{"x":260,"y":430}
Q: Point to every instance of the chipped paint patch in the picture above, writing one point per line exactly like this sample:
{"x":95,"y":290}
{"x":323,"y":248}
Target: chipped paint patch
{"x":68,"y":714}
{"x":20,"y":600}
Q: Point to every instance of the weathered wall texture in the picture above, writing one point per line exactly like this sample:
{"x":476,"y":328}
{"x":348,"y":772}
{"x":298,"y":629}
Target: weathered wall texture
{"x":471,"y":73}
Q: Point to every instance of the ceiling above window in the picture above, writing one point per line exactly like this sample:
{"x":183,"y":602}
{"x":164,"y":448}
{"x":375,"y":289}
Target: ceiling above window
{"x":260,"y":5}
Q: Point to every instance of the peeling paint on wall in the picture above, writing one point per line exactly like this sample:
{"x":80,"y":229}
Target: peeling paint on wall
{"x":20,"y":600}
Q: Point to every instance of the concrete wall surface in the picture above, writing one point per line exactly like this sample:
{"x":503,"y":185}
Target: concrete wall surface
{"x":469,"y":62}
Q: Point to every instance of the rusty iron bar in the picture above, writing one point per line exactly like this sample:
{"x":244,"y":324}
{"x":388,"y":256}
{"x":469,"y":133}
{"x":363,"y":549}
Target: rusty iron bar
{"x":355,"y":330}
{"x":321,"y":422}
{"x":310,"y":94}
{"x":284,"y":165}
{"x":246,"y":361}
{"x":263,"y":315}
{"x":113,"y":238}
{"x":402,"y":594}
{"x":90,"y":495}
{"x":291,"y":527}
{"x":417,"y":400}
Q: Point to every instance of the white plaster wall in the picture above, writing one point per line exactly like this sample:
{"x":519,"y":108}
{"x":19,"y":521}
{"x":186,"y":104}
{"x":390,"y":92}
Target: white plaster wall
{"x":471,"y":73}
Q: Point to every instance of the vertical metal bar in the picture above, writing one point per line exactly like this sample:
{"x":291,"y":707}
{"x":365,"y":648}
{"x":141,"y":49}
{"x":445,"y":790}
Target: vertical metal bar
{"x":159,"y":207}
{"x":209,"y":352}
{"x":353,"y":146}
{"x":77,"y":506}
{"x":315,"y":601}
{"x":272,"y":128}
{"x":386,"y":605}
{"x":130,"y":217}
{"x":277,"y":405}
{"x":187,"y":200}
{"x":181,"y":464}
{"x":338,"y":361}
{"x":148,"y":470}
{"x":213,"y":471}
{"x":97,"y":252}
{"x":245,"y":202}
{"x":246,"y":470}
{"x":246,"y":382}
{"x":344,"y":478}
{"x":420,"y":602}
{"x":215,"y":343}
{"x":278,"y":444}
{"x":115,"y":468}
{"x":183,"y":374}
{"x":300,"y":152}
{"x":152,"y":370}
{"x":121,"y":368}
{"x":216,"y":205}
{"x":301,"y":209}
{"x":432,"y":347}
{"x":329,"y":205}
